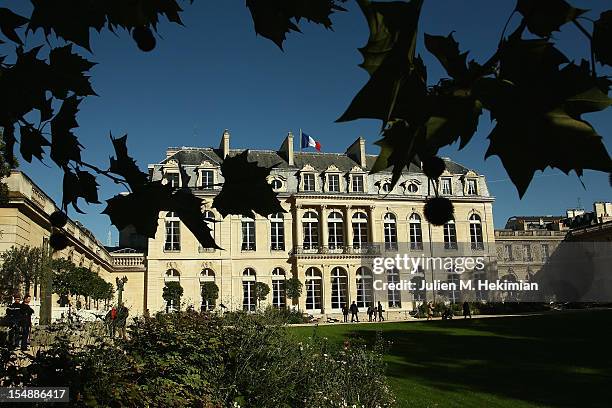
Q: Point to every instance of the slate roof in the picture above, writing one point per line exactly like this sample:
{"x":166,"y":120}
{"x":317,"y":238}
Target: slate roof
{"x":320,"y":161}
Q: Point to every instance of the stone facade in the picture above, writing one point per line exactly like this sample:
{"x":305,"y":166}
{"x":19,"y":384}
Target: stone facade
{"x":337,"y":217}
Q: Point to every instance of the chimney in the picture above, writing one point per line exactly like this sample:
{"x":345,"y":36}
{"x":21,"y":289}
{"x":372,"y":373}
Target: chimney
{"x":224,"y":146}
{"x":286,"y":149}
{"x":356,"y":151}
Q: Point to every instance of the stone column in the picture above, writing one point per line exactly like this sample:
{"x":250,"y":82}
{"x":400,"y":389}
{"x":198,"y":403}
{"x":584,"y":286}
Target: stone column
{"x":297,"y":225}
{"x":371,"y":224}
{"x":326,"y":289}
{"x":348,"y":226}
{"x":323,"y":227}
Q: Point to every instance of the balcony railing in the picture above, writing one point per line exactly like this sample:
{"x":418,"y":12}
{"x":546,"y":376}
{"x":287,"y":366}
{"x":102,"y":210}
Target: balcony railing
{"x":530,"y":233}
{"x":131,"y":261}
{"x":363,"y":249}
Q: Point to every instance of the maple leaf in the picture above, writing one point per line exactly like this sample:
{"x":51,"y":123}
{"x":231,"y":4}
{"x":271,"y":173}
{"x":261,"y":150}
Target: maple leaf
{"x":125,"y":166}
{"x":8,"y":137}
{"x":31,"y":143}
{"x":79,"y":185}
{"x":545,"y":16}
{"x":9,"y":22}
{"x":446,"y":50}
{"x":67,"y":73}
{"x":64,"y":144}
{"x":245,"y":189}
{"x":602,"y":35}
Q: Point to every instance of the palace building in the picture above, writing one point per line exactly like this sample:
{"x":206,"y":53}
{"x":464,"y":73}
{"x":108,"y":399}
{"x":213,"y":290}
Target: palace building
{"x":338,"y":218}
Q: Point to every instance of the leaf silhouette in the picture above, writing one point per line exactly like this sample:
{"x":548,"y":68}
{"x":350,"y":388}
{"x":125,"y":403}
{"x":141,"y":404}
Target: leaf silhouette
{"x":31,"y":143}
{"x":64,"y":144}
{"x":8,"y":137}
{"x":602,"y":38}
{"x":68,"y":73}
{"x":397,"y":83}
{"x":446,"y":50}
{"x":245,"y":189}
{"x":273,"y":18}
{"x":545,"y":16}
{"x":9,"y":22}
{"x":79,"y":185}
{"x":125,"y":166}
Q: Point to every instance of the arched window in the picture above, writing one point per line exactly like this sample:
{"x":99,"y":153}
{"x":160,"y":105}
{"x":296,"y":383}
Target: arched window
{"x":172,"y":275}
{"x":476,"y":232}
{"x":248,"y":234}
{"x":313,"y":290}
{"x":207,"y":277}
{"x":360,"y":230}
{"x":412,"y":188}
{"x":394,"y":296}
{"x":335,"y":225}
{"x":279,"y":298}
{"x":418,"y":294}
{"x":339,"y":285}
{"x":386,"y":187}
{"x":416,"y":233}
{"x":173,"y":232}
{"x":364,"y":284}
{"x":277,"y":232}
{"x":276,"y":184}
{"x":450,"y":235}
{"x":310,"y":223}
{"x":453,"y":290}
{"x":249,"y":300}
{"x":390,"y":231}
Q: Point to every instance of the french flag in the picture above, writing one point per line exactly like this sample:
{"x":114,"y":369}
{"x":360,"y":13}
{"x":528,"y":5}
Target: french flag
{"x":308,"y":141}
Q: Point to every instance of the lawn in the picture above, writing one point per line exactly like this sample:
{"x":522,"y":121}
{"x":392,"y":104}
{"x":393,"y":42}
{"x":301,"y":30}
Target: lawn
{"x":556,"y":360}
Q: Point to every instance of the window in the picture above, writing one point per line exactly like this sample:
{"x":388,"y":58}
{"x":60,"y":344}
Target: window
{"x":173,"y":232}
{"x":309,"y":182}
{"x":416,"y":233}
{"x":545,"y":253}
{"x":453,"y":291}
{"x":339,"y":284}
{"x":450,"y":235}
{"x":360,"y":230}
{"x":335,"y":226}
{"x":527,"y":253}
{"x":279,"y":298}
{"x":390,"y":232}
{"x":394,"y":296}
{"x":364,"y":284}
{"x":313,"y":290}
{"x":481,"y":294}
{"x":209,"y":219}
{"x":476,"y":232}
{"x":248,"y":234}
{"x":418,"y":294}
{"x":248,"y":290}
{"x":173,"y":179}
{"x":386,"y":187}
{"x":277,"y":232}
{"x":310,"y":223}
{"x":510,"y":278}
{"x":207,"y":275}
{"x":357,"y":184}
{"x":412,"y":188}
{"x":207,"y":180}
{"x":445,"y":186}
{"x":472,"y":187}
{"x":276,"y":184}
{"x":333,"y":183}
{"x":172,"y":275}
{"x":508,"y":253}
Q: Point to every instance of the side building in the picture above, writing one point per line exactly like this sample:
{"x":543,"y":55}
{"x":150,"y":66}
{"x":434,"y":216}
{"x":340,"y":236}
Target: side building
{"x":338,"y":217}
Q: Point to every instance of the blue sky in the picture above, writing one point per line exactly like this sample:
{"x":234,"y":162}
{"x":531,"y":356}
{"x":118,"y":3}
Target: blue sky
{"x":215,"y":73}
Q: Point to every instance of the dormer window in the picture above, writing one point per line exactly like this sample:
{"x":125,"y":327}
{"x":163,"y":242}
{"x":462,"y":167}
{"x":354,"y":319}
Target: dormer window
{"x":357,"y":183}
{"x":445,"y":186}
{"x":386,"y":187}
{"x":276,"y":184}
{"x":309,"y":182}
{"x":333,"y":183}
{"x":173,"y":179}
{"x":472,"y":187}
{"x":412,"y":188}
{"x":208,"y":179}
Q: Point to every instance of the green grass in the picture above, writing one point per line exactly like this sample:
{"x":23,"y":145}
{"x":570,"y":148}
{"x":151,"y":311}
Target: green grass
{"x":556,"y":360}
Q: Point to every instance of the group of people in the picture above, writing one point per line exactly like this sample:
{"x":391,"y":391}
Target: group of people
{"x":373,"y":311}
{"x":116,"y":320}
{"x":447,"y":313}
{"x":19,"y":320}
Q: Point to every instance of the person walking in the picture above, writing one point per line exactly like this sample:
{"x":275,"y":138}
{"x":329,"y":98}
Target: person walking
{"x":345,"y":311}
{"x":370,"y":313}
{"x":354,"y":311}
{"x":13,"y":318}
{"x":429,"y":311}
{"x":122,"y":315}
{"x":466,"y":310}
{"x":380,"y":313}
{"x":26,"y":322}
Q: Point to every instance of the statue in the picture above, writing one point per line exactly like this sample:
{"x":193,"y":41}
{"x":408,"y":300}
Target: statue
{"x":120,"y":283}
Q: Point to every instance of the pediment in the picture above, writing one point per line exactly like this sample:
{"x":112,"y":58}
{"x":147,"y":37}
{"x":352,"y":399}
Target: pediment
{"x":307,"y":168}
{"x":332,"y":169}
